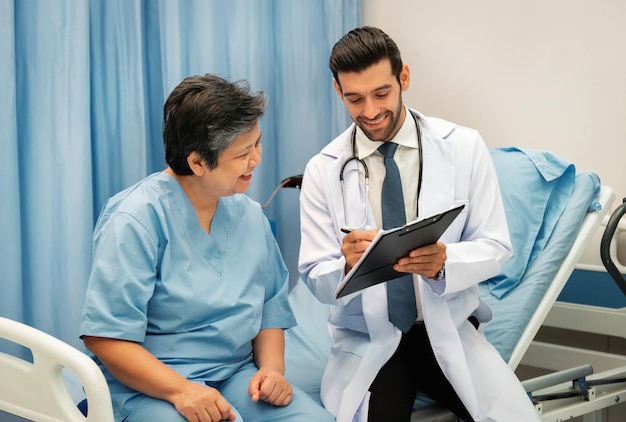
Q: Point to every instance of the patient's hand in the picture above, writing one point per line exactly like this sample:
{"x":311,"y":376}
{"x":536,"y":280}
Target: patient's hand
{"x":201,"y":403}
{"x":271,"y":387}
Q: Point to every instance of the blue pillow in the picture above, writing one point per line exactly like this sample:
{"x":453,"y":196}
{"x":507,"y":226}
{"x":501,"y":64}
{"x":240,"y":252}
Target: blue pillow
{"x":536,"y":187}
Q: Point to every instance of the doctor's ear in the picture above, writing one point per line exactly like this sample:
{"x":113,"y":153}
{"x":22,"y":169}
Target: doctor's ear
{"x":405,"y":77}
{"x":338,"y":88}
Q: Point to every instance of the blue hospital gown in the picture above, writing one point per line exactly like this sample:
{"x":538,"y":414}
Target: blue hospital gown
{"x":194,"y":300}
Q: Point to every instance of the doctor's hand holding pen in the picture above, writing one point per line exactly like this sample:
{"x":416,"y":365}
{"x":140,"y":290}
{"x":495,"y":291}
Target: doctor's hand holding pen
{"x":354,"y":244}
{"x":427,"y":261}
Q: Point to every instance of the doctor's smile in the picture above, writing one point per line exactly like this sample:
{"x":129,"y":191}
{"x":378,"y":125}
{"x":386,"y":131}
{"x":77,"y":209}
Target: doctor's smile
{"x":378,"y":129}
{"x":379,"y":126}
{"x":373,"y":123}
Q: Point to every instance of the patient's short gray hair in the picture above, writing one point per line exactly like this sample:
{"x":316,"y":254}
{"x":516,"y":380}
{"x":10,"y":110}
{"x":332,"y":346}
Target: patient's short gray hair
{"x":205,"y":114}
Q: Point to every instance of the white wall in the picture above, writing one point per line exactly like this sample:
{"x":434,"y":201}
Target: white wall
{"x":547,"y":74}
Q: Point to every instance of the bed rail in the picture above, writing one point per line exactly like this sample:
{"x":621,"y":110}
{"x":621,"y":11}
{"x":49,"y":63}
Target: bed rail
{"x":607,"y":249}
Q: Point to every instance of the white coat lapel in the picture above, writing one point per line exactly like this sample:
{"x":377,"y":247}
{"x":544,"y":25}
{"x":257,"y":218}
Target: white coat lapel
{"x":438,"y":174}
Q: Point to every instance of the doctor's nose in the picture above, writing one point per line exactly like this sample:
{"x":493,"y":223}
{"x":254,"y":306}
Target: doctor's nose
{"x":370,"y":109}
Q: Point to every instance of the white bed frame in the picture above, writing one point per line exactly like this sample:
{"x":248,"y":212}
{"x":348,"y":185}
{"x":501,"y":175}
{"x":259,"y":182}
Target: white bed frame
{"x":553,"y":357}
{"x":591,"y":224}
{"x":38,"y":391}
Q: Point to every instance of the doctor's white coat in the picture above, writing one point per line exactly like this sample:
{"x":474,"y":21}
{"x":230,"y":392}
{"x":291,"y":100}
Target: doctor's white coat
{"x":457,"y":170}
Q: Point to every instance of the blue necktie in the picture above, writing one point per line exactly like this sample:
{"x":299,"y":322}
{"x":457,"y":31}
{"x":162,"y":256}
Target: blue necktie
{"x":400,"y":292}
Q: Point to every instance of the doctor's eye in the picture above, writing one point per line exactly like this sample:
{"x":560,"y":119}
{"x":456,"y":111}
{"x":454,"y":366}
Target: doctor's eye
{"x":353,"y":100}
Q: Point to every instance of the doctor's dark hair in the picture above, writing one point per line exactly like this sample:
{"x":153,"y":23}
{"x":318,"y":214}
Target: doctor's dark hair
{"x":364,"y":47}
{"x":205,"y":114}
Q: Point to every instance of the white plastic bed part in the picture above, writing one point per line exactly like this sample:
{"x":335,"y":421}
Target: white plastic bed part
{"x":591,"y":224}
{"x":37,"y":390}
{"x":607,"y":366}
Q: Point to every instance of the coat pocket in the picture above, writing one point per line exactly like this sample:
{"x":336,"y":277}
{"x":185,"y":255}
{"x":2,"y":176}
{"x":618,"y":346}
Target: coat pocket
{"x":352,"y":342}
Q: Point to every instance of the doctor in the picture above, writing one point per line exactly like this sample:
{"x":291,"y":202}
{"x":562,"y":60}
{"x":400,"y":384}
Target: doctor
{"x":376,"y":366}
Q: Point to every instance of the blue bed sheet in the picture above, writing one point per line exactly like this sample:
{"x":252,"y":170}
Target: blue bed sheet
{"x":546,"y":181}
{"x":307,"y":345}
{"x":513,"y":311}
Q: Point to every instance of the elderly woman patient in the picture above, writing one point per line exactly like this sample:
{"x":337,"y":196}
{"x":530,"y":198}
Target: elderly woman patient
{"x":187,"y":297}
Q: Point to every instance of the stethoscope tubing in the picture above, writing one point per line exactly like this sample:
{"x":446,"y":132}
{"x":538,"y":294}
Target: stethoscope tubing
{"x":358,"y":160}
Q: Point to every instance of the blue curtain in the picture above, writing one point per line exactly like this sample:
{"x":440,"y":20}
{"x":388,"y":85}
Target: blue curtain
{"x":83,"y":84}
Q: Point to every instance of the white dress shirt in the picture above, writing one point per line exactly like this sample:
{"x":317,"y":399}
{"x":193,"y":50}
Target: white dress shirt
{"x":407,"y":160}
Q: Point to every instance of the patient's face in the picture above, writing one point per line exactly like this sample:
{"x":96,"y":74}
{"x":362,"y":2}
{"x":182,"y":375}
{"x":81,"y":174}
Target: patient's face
{"x":235,"y":165}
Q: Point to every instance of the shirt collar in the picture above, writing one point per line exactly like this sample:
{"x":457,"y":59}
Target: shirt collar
{"x":406,"y":136}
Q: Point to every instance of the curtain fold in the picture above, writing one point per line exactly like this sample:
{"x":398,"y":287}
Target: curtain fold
{"x":120,"y":119}
{"x":10,"y":207}
{"x":53,"y":159}
{"x":83,"y":85}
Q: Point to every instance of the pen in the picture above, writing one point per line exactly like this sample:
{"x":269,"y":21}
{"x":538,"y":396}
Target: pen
{"x":350,"y":230}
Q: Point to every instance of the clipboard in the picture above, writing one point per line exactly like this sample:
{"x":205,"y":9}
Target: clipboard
{"x":376,"y":263}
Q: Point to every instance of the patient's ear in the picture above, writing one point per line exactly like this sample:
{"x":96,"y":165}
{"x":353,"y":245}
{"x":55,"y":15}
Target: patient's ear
{"x":196,"y":164}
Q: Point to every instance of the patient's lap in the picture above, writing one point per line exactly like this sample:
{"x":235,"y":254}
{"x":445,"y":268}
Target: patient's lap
{"x":235,"y":391}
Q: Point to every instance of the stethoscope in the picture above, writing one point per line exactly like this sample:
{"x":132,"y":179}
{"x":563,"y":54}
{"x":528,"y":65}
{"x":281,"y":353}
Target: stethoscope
{"x":358,"y":160}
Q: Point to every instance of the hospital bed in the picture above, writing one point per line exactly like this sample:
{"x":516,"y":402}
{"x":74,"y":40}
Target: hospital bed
{"x":549,"y":241}
{"x":521,"y":297}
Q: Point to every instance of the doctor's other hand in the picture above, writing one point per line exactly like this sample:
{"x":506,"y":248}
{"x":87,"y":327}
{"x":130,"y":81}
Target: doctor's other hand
{"x":354,"y":244}
{"x":199,"y":403}
{"x":426,"y":261}
{"x":271,"y":387}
